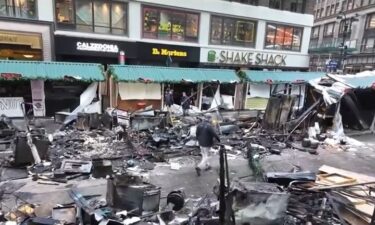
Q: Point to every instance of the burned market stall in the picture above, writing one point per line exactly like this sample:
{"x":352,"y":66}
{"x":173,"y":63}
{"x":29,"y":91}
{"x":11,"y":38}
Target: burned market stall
{"x":348,"y":99}
{"x":45,"y":87}
{"x":264,"y":84}
{"x":137,"y":87}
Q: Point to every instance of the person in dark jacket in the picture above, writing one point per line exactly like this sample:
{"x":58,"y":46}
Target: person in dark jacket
{"x":185,"y":103}
{"x":205,"y":135}
{"x":169,"y":99}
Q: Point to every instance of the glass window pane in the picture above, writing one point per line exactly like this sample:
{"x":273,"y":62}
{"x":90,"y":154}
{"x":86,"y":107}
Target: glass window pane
{"x":288,"y":38}
{"x":370,"y":43}
{"x":170,"y":25}
{"x":3,"y":8}
{"x":84,"y":15}
{"x":165,"y":25}
{"x":371,"y":23}
{"x":151,"y":23}
{"x":294,"y":5}
{"x":270,"y":36}
{"x":119,"y":16}
{"x":297,"y":39}
{"x":101,"y":17}
{"x":178,"y":26}
{"x":275,"y":4}
{"x":279,"y":40}
{"x":245,"y":32}
{"x":228,"y":31}
{"x":24,"y":8}
{"x":216,"y":29}
{"x":64,"y":11}
{"x":192,"y":27}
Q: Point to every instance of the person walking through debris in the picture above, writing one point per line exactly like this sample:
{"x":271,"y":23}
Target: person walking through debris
{"x":169,"y":99}
{"x":205,"y":135}
{"x":185,"y":103}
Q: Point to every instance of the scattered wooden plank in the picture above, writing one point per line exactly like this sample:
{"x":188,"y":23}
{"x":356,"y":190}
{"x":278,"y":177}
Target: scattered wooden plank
{"x":334,"y":178}
{"x":361,"y":178}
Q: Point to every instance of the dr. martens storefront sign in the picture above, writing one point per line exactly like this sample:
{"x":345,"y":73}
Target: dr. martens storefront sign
{"x":246,"y":58}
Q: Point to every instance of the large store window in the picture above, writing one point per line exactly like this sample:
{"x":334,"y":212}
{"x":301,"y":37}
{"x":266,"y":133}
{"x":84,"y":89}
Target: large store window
{"x":328,"y":29}
{"x":368,"y":44}
{"x":370,"y":24}
{"x":290,"y":5}
{"x":230,"y":31}
{"x":169,"y":24}
{"x":315,"y":32}
{"x":281,"y":37}
{"x":19,"y":8}
{"x":276,"y":4}
{"x":92,"y":16}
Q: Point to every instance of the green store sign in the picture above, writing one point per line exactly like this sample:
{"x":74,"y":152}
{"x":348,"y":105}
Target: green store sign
{"x":245,"y":58}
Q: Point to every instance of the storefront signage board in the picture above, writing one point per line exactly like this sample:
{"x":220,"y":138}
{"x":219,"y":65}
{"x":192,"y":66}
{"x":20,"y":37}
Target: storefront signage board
{"x":252,"y":57}
{"x":160,"y":52}
{"x":11,"y":107}
{"x":96,"y":47}
{"x":76,"y":46}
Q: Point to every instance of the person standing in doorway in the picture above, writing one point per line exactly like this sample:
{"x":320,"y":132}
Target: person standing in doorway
{"x":169,"y":99}
{"x":185,"y":103}
{"x":205,"y":135}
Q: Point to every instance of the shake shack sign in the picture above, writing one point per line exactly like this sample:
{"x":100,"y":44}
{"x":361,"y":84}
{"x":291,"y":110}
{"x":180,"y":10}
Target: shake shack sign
{"x":245,"y":58}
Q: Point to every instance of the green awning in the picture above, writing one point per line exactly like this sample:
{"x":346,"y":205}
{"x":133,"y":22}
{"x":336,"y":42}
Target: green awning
{"x":275,"y":77}
{"x":130,"y":73}
{"x":50,"y":70}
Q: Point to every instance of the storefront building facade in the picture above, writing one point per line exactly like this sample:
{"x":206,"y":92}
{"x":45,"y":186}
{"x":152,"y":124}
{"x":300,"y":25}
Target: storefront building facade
{"x":273,"y":37}
{"x":343,"y":23}
{"x":26,"y":30}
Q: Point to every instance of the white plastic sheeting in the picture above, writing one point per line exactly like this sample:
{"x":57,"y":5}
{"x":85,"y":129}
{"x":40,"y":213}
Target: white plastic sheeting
{"x":224,"y":101}
{"x":138,"y":91}
{"x":86,"y":104}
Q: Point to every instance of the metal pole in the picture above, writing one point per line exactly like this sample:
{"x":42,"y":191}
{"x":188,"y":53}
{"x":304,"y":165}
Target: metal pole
{"x":343,"y":50}
{"x":222,"y":187}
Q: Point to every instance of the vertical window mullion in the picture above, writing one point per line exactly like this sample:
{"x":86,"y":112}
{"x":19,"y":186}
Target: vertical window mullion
{"x":185,"y":24}
{"x":222,"y":30}
{"x":74,"y":14}
{"x":110,"y":17}
{"x":157,"y":30}
{"x":14,"y":7}
{"x":274,"y":37}
{"x":92,"y":15}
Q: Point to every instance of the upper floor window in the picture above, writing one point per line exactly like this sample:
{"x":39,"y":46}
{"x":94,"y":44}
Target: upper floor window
{"x":315,"y":32}
{"x":167,"y":24}
{"x":337,"y":8}
{"x":294,"y":5}
{"x":370,"y":23}
{"x":328,"y":29}
{"x":92,"y":16}
{"x":328,"y":10}
{"x":368,"y":45}
{"x":282,"y":37}
{"x":290,"y":5}
{"x":231,"y":31}
{"x":350,"y":4}
{"x":332,"y":9}
{"x":276,"y":4}
{"x":343,"y":5}
{"x":249,"y":2}
{"x":19,"y":8}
